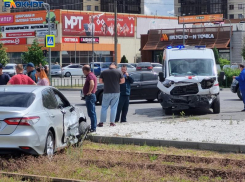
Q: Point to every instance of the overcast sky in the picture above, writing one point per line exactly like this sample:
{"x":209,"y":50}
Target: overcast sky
{"x":161,"y":7}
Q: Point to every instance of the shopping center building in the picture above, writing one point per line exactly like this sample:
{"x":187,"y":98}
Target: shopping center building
{"x":73,"y":31}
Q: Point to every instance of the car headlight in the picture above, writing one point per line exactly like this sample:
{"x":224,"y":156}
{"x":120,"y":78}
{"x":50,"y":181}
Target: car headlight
{"x":168,"y":83}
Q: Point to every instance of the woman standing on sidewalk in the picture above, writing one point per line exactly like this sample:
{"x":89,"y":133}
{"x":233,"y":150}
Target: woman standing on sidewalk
{"x":42,"y":77}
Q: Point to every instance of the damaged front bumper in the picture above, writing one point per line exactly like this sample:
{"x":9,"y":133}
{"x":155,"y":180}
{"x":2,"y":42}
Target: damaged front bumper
{"x":186,"y":102}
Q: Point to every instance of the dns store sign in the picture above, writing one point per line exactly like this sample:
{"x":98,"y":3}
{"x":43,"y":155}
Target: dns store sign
{"x":22,"y":4}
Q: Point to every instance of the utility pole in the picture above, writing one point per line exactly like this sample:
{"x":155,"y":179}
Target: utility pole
{"x":183,"y":29}
{"x":115,"y":31}
{"x":93,"y":42}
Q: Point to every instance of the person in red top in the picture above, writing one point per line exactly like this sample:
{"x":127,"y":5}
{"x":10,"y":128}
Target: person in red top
{"x":20,"y":78}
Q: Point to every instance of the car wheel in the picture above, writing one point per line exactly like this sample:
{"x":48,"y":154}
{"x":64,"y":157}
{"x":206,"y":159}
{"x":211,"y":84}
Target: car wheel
{"x":168,"y":111}
{"x":216,"y":105}
{"x":50,"y":145}
{"x":68,"y":74}
{"x":83,"y":131}
{"x":239,"y":93}
{"x":100,"y":98}
{"x":150,"y":100}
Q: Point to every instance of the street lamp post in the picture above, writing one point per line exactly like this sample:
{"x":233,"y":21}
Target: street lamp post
{"x":47,"y":7}
{"x":183,"y":29}
{"x":230,"y":41}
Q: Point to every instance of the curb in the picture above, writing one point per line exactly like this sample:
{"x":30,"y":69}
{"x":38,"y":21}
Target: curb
{"x":227,"y":148}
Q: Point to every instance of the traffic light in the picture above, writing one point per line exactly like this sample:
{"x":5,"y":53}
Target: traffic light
{"x":45,"y":53}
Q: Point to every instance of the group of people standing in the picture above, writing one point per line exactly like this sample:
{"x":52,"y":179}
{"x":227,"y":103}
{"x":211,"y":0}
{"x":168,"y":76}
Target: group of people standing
{"x":116,"y":94}
{"x":34,"y":76}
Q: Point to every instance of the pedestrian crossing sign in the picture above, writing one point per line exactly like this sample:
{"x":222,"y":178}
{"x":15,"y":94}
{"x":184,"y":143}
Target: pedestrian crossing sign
{"x":50,"y":41}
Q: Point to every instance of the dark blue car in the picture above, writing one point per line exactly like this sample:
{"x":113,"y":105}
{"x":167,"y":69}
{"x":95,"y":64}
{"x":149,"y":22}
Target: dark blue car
{"x":99,"y":67}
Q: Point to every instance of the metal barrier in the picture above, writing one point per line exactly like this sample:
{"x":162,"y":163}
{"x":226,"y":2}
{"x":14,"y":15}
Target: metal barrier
{"x":69,"y":82}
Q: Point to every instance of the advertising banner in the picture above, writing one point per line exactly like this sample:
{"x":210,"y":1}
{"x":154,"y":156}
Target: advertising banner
{"x":146,"y":24}
{"x":89,"y":40}
{"x":43,"y":33}
{"x":70,"y":40}
{"x":25,"y":28}
{"x":85,"y":25}
{"x":7,"y":19}
{"x":201,"y":19}
{"x":21,"y":34}
{"x":30,"y":17}
{"x":13,"y":41}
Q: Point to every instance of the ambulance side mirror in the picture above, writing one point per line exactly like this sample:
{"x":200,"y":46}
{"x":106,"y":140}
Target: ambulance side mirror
{"x":161,"y":77}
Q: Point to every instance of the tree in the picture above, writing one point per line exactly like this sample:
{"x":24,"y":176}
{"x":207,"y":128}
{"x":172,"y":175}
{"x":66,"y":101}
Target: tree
{"x":34,"y":55}
{"x":3,"y":54}
{"x":124,"y":59}
{"x":243,"y":51}
{"x":216,"y":55}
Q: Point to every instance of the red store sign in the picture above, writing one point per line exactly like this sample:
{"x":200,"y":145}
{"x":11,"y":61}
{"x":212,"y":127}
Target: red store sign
{"x":7,"y":19}
{"x":21,"y":34}
{"x":70,"y":40}
{"x":82,"y":25}
{"x":13,"y":41}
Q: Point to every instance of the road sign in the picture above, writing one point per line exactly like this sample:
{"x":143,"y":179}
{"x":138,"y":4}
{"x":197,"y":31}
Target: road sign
{"x":50,"y":41}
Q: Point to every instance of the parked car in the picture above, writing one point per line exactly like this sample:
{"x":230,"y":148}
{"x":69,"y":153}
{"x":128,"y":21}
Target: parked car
{"x":38,"y":120}
{"x":226,"y":66}
{"x":144,"y":66}
{"x":10,"y":69}
{"x":157,"y":67}
{"x":134,"y":64}
{"x":130,"y":68}
{"x":56,"y":70}
{"x":99,"y":67}
{"x":72,"y":70}
{"x":143,"y":88}
{"x":235,"y":88}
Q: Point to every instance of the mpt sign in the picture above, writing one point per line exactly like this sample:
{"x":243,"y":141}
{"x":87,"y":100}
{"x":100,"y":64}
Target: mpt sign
{"x":73,"y":22}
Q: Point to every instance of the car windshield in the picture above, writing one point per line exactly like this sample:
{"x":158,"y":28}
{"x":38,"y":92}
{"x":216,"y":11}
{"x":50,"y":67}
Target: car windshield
{"x":16,"y":99}
{"x":55,"y":67}
{"x":191,"y":67}
{"x":144,"y":64}
{"x":9,"y":67}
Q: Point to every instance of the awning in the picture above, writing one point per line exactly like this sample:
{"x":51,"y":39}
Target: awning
{"x":218,"y":37}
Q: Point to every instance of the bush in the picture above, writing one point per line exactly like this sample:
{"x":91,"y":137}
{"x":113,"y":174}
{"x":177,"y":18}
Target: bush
{"x":124,"y":59}
{"x":229,"y":73}
{"x":223,"y":62}
{"x":216,"y":55}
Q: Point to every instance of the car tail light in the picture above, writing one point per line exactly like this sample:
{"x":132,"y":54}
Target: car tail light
{"x":26,"y":121}
{"x":216,"y":85}
{"x":25,"y":148}
{"x":138,"y":68}
{"x":150,"y":68}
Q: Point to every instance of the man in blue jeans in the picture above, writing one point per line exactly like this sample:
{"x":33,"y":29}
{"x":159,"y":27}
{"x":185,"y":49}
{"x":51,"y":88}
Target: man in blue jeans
{"x":241,"y":80}
{"x":125,"y":90}
{"x":89,"y":90}
{"x":112,"y":78}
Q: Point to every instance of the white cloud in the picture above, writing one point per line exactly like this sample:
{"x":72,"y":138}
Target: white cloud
{"x":147,"y":10}
{"x":170,"y":12}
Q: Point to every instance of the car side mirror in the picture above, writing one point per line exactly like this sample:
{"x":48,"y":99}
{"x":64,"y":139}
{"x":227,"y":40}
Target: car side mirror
{"x":161,"y":77}
{"x":221,"y":76}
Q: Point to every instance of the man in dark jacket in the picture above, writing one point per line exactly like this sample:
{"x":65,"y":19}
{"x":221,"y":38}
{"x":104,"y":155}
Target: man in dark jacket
{"x":241,"y":79}
{"x":4,"y":78}
{"x":124,"y":96}
{"x":31,"y":72}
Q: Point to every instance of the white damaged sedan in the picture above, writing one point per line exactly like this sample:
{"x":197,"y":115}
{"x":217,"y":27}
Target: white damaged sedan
{"x":38,"y":120}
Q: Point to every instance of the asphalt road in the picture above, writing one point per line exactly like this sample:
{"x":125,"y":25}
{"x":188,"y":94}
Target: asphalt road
{"x":231,"y":107}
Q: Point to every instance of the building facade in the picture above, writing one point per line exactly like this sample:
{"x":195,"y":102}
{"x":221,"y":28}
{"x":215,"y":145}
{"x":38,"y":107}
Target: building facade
{"x":91,"y":5}
{"x":199,"y":7}
{"x":236,"y":9}
{"x":123,"y":6}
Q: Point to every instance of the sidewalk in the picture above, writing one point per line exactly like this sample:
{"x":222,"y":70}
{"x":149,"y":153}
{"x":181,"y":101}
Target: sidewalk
{"x":224,"y":136}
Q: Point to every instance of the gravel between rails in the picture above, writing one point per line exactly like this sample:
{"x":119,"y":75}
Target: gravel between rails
{"x":208,"y":131}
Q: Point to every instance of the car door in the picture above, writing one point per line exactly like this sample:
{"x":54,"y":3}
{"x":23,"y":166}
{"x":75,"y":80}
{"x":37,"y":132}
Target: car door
{"x":54,"y":114}
{"x":149,"y":88}
{"x":135,"y":87}
{"x":68,"y":111}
